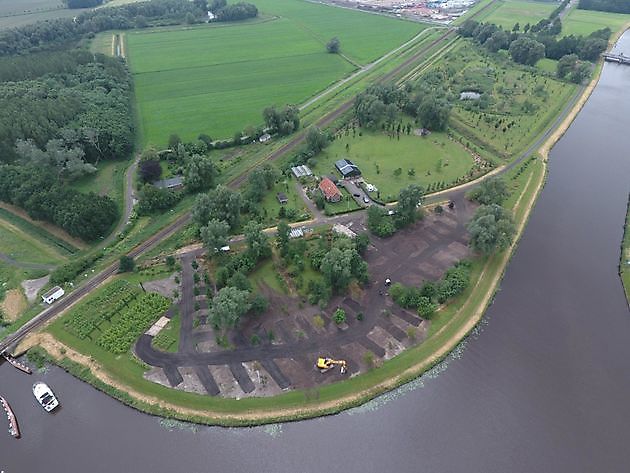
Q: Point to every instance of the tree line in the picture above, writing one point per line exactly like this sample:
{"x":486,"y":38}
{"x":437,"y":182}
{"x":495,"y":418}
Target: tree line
{"x":537,"y":41}
{"x":614,"y":6}
{"x":58,"y":33}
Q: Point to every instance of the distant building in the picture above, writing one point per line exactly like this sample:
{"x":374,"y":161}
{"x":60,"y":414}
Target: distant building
{"x":52,"y":295}
{"x":301,"y":171}
{"x":264,"y":138}
{"x":211,"y":16}
{"x":347,"y":168}
{"x":282,"y":198}
{"x":176,"y":182}
{"x":329,"y":190}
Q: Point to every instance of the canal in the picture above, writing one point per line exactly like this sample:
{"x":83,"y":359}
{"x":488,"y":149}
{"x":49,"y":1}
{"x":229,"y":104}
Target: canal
{"x":543,"y":386}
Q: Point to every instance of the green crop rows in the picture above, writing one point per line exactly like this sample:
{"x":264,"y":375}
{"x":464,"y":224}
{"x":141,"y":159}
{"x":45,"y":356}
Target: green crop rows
{"x":87,"y":318}
{"x":128,"y":324}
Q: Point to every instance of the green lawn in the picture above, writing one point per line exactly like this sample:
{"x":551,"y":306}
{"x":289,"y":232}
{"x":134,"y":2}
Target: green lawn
{"x":519,"y":11}
{"x":547,"y":65}
{"x":108,"y":180}
{"x":434,"y":158}
{"x":25,"y":247}
{"x":271,"y":205}
{"x":265,"y":275}
{"x":584,"y":22}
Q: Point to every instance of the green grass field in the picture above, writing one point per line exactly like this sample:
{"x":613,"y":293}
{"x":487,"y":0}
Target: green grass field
{"x":547,"y":65}
{"x":434,"y":158}
{"x":107,"y":181}
{"x":217,"y":79}
{"x":519,"y":11}
{"x":184,"y":85}
{"x":584,"y":22}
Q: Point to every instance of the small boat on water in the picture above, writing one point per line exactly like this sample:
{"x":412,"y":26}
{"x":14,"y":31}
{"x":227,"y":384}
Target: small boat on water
{"x":14,"y":430}
{"x":15,"y":363}
{"x":45,"y":396}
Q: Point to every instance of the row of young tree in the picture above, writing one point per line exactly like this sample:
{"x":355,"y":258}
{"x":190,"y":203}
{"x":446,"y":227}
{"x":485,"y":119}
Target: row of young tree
{"x":537,"y":41}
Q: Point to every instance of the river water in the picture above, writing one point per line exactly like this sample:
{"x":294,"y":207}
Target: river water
{"x":543,"y":386}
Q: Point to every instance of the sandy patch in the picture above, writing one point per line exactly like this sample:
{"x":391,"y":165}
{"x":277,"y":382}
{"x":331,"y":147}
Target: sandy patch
{"x":13,"y":305}
{"x":33,"y":286}
{"x":164,"y":286}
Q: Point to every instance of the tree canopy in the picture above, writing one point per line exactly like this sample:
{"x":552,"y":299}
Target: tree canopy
{"x":491,"y":228}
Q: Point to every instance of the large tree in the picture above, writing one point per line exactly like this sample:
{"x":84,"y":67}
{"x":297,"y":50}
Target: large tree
{"x":407,"y":208}
{"x":433,"y":112}
{"x":491,"y":191}
{"x":200,"y":173}
{"x":228,"y":306}
{"x":491,"y":229}
{"x":526,"y":50}
{"x":333,"y":46}
{"x":215,"y":235}
{"x":220,"y":204}
{"x":257,"y":241}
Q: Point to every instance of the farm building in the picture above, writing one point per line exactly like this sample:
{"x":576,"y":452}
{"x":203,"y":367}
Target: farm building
{"x":52,"y":295}
{"x":329,"y":190}
{"x":282,"y":198}
{"x":301,"y":171}
{"x":176,"y":182}
{"x":347,"y":168}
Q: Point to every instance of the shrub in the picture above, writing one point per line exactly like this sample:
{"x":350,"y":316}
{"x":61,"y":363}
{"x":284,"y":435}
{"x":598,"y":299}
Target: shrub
{"x":339,"y":316}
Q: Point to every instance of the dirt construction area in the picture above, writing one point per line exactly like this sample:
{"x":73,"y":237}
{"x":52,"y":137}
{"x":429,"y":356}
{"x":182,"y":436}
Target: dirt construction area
{"x":278,"y":350}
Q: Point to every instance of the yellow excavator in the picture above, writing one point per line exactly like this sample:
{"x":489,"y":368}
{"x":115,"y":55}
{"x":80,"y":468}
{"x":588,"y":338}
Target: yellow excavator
{"x":325,"y":364}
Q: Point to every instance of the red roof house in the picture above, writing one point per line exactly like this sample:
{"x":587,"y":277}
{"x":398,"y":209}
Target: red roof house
{"x":329,"y":190}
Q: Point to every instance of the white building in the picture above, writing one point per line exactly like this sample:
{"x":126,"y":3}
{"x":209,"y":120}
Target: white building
{"x":52,"y":295}
{"x":343,"y":230}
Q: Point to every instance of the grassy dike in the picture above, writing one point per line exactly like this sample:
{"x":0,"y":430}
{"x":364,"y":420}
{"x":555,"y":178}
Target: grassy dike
{"x":450,"y":327}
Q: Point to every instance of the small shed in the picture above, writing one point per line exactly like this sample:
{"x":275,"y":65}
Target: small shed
{"x":282,"y":198}
{"x":347,"y":168}
{"x":301,"y":171}
{"x":330,"y":191}
{"x":52,"y":295}
{"x":171,"y":183}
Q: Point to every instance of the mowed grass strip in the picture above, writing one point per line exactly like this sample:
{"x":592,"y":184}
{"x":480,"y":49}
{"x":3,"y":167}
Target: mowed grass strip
{"x":218,"y":80}
{"x":19,"y":245}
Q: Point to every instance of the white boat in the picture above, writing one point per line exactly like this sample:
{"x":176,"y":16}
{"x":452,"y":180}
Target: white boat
{"x":45,"y":396}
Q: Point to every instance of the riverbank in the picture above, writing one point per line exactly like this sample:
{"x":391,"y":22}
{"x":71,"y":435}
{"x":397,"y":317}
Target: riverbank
{"x":624,"y":263}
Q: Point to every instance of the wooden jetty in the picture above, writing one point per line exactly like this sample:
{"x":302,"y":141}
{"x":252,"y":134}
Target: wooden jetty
{"x":16,"y":363}
{"x":618,"y":58}
{"x":14,"y":429}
